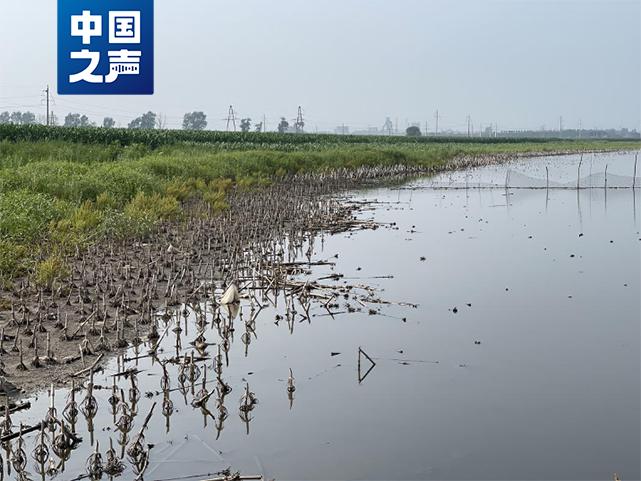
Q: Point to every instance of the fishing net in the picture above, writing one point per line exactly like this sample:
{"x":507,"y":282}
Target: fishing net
{"x":612,"y":171}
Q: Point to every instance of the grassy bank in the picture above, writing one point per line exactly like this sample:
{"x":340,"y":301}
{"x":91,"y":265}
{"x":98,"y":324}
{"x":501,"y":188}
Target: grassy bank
{"x":62,"y":189}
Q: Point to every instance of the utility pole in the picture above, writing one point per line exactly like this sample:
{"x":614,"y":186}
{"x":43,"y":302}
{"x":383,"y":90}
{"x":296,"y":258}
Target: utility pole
{"x":469,"y":126}
{"x":264,"y":123}
{"x":231,"y":118}
{"x":396,"y":126}
{"x":436,"y":117}
{"x":47,"y":92}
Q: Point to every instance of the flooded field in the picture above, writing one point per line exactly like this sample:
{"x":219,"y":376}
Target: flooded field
{"x":499,"y":331}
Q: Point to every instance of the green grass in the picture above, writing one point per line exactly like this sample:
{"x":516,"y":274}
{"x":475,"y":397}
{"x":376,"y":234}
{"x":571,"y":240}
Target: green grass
{"x":63,"y":189}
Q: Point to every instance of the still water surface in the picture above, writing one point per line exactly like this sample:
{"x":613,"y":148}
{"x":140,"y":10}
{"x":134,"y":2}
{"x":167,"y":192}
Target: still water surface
{"x":521,"y":361}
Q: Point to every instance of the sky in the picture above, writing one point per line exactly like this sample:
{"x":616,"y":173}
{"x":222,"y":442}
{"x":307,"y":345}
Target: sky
{"x":519,"y":64}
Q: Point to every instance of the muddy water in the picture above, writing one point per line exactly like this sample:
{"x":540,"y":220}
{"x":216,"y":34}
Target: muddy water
{"x":521,"y":361}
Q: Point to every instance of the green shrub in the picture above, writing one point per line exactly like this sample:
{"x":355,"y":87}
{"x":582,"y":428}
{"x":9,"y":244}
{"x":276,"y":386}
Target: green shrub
{"x":12,"y":259}
{"x":216,"y":200}
{"x":78,"y":229}
{"x":25,"y":216}
{"x":105,"y":201}
{"x":153,"y":207}
{"x":50,"y":270}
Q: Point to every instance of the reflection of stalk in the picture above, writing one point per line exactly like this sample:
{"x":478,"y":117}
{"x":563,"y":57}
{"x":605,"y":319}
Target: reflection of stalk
{"x":634,"y":176}
{"x":144,"y":425}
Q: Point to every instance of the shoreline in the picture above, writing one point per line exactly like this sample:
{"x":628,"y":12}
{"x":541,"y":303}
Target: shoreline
{"x":114,"y":290}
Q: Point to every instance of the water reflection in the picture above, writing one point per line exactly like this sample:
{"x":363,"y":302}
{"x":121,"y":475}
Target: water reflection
{"x":527,"y":322}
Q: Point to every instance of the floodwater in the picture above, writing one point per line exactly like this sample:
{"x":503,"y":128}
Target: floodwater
{"x":521,"y":361}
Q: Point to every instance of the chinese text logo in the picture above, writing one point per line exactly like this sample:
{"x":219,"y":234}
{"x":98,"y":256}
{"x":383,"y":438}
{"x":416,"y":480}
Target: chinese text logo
{"x":105,"y":47}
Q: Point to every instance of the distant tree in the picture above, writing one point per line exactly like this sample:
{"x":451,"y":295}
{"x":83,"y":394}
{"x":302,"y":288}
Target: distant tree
{"x":145,"y":121}
{"x":245,"y":124}
{"x":85,"y":122}
{"x":283,"y":125}
{"x":413,"y":131}
{"x":161,"y":121}
{"x":148,"y":120}
{"x":72,"y":120}
{"x":77,"y":120}
{"x":258,"y":127}
{"x":16,"y":118}
{"x":195,"y":121}
{"x":28,"y":118}
{"x":108,"y":123}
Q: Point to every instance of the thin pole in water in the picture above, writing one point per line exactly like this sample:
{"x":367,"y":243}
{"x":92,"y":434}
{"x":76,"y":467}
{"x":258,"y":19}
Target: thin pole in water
{"x":578,"y":175}
{"x":547,"y":178}
{"x":605,"y":189}
{"x":634,"y":175}
{"x":547,"y":187}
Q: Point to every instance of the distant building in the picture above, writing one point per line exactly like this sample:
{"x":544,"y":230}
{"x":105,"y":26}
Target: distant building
{"x":342,"y":130}
{"x":369,"y":131}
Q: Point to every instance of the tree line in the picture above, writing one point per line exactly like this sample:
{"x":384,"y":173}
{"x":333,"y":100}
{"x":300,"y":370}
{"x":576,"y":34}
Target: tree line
{"x":196,"y":120}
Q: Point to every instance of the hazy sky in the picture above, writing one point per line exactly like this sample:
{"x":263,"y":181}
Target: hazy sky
{"x":521,"y":64}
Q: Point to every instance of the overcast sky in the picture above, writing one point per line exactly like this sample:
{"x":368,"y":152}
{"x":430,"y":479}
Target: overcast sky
{"x":520,"y":64}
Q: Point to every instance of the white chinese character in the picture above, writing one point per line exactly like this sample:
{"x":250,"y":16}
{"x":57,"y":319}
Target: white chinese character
{"x":123,"y":62}
{"x":124,"y":27}
{"x":86,"y":26}
{"x":88,"y":73}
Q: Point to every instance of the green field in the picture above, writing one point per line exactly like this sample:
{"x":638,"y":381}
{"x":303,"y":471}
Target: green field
{"x":65,"y":188}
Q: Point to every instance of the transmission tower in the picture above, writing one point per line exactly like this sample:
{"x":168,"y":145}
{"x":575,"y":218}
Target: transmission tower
{"x":231,"y":118}
{"x":300,"y":122}
{"x":388,"y":126}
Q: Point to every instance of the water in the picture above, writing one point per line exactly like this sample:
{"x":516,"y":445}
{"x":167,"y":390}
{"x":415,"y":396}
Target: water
{"x":537,"y":378}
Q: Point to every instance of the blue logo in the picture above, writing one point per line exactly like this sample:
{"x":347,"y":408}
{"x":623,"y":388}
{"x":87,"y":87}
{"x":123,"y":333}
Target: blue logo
{"x":105,"y":47}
